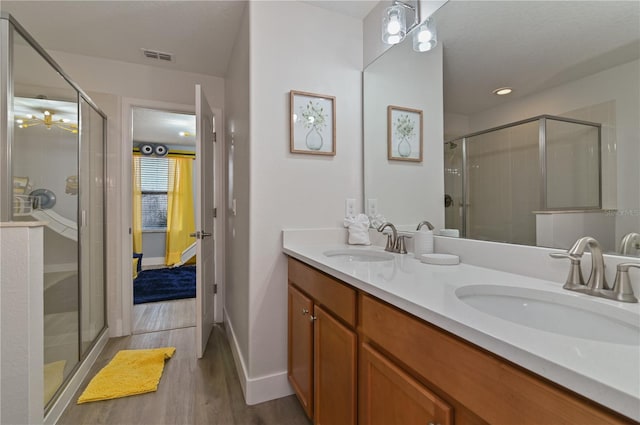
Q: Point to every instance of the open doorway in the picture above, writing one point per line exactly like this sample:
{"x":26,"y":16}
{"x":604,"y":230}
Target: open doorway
{"x":163,"y":208}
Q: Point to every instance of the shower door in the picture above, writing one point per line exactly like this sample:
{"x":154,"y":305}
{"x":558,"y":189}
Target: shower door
{"x":52,"y":154}
{"x":44,"y":163}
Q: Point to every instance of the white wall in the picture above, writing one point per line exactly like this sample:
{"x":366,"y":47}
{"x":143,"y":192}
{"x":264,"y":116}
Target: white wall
{"x":455,"y":125}
{"x":316,"y":51}
{"x":406,"y":192}
{"x":236,"y":294}
{"x":21,"y":323}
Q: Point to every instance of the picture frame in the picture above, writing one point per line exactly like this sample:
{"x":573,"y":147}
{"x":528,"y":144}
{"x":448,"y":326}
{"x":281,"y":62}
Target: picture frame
{"x":404,"y":134}
{"x":312,"y":123}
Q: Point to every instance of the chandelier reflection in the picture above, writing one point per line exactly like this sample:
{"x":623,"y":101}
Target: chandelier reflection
{"x":48,"y":121}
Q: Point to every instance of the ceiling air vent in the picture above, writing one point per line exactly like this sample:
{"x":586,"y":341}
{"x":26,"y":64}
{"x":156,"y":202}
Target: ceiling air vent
{"x":154,"y":54}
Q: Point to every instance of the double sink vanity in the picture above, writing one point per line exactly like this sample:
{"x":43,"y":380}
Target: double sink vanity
{"x":381,"y":338}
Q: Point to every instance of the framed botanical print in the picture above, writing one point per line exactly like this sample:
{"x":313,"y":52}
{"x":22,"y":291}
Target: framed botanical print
{"x":404,"y":134}
{"x":313,"y":123}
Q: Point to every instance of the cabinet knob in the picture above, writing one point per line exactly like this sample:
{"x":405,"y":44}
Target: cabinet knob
{"x":312,"y":318}
{"x":305,"y":311}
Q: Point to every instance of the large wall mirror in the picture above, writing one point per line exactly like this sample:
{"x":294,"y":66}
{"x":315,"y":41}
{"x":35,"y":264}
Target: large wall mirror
{"x":556,"y":159}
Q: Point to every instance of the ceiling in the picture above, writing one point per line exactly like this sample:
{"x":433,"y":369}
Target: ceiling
{"x":530,"y":46}
{"x":488,"y":44}
{"x":199,"y":34}
{"x":154,"y":126}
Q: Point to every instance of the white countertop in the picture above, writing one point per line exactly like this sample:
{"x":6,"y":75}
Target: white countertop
{"x":608,"y":373}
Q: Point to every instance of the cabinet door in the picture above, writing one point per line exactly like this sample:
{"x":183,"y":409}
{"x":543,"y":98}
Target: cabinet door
{"x":388,"y":395}
{"x":300,"y":348}
{"x":335,"y":348}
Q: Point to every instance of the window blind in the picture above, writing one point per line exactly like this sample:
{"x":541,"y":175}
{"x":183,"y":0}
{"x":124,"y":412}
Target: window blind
{"x":154,"y":180}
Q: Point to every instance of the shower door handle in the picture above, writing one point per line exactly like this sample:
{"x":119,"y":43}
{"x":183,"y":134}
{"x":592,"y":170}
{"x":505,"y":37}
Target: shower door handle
{"x":200,"y":234}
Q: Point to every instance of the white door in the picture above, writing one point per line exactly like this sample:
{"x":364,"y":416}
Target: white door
{"x":205,"y":254}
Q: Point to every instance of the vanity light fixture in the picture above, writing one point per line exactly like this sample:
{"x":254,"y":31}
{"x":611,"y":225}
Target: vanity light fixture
{"x":184,"y":134}
{"x":48,"y":121}
{"x":502,"y":91}
{"x":424,"y":37}
{"x":394,"y":25}
{"x":394,"y":21}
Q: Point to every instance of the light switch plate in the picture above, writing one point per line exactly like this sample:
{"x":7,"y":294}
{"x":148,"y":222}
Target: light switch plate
{"x":350,"y":207}
{"x":372,"y":207}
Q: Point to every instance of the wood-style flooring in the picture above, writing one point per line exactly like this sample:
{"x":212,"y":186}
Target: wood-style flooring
{"x":191,"y":391}
{"x":164,"y":315}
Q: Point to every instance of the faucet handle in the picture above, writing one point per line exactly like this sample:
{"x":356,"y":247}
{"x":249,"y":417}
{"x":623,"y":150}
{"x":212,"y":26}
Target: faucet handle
{"x":622,"y":290}
{"x":400,"y":244}
{"x":574,"y":278}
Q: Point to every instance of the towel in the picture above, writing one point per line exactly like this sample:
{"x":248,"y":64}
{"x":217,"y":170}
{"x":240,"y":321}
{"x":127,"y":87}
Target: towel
{"x":377,"y":220}
{"x":358,"y":229}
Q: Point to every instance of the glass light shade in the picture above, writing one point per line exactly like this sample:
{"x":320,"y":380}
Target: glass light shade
{"x":394,"y":25}
{"x":424,"y":37}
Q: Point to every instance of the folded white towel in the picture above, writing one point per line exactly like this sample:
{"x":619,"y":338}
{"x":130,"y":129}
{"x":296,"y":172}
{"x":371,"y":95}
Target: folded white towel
{"x":377,"y":220}
{"x":358,"y":229}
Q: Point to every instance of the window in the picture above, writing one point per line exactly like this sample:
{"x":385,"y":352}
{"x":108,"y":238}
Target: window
{"x":154,"y":179}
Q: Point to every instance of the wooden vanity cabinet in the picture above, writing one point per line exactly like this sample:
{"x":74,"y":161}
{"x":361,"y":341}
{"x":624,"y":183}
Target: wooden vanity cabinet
{"x":482,"y":386}
{"x":408,"y":370}
{"x":322,"y":347}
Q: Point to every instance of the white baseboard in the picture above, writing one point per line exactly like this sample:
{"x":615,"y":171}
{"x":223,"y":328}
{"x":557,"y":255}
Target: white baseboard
{"x":262,"y":388}
{"x":152,"y":261}
{"x":65,"y":398}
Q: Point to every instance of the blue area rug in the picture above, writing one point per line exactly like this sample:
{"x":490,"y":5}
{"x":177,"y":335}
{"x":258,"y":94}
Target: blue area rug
{"x":164,"y":284}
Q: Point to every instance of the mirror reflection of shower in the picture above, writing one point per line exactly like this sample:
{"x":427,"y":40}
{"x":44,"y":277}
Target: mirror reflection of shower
{"x":501,"y":179}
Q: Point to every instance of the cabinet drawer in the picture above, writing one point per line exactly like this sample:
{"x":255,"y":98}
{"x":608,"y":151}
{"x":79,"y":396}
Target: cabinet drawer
{"x":492,"y":388}
{"x":325,"y":290}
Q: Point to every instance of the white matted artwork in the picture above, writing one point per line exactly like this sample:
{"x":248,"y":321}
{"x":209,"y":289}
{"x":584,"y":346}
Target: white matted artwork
{"x":313,"y":123}
{"x":404,"y":134}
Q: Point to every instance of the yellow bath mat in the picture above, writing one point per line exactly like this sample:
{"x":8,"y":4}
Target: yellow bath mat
{"x":130,"y":372}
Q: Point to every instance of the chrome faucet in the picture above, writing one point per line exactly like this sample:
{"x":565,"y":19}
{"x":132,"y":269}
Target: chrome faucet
{"x":425,"y":223}
{"x":395,"y":242}
{"x":629,"y":243}
{"x":392,"y":238}
{"x":596,"y":281}
{"x":597,"y":284}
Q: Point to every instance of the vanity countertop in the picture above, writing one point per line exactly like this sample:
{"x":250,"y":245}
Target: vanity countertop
{"x":606,"y":372}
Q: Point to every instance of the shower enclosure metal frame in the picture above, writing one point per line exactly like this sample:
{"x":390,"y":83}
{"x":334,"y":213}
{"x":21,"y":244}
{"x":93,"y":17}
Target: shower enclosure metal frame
{"x":8,"y":27}
{"x":542,"y":152}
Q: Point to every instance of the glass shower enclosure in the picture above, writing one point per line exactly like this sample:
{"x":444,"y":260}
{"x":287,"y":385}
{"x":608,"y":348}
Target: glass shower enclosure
{"x":497,"y":180}
{"x":52,"y":157}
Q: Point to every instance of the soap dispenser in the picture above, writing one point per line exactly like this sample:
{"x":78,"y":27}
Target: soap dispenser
{"x":423,"y":242}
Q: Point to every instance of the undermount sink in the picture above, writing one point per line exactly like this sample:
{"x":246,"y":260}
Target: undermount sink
{"x":565,"y":314}
{"x":359,"y":255}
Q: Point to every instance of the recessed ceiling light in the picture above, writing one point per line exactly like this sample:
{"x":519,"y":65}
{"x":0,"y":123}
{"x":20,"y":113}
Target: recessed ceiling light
{"x":502,"y":91}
